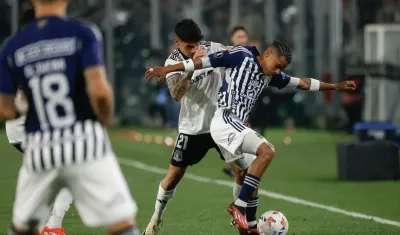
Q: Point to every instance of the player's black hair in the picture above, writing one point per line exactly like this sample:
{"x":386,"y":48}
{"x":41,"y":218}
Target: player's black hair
{"x":27,"y":17}
{"x":188,"y":31}
{"x":283,"y":49}
{"x":238,"y":28}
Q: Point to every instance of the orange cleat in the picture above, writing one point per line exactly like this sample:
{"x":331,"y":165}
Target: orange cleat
{"x":53,"y":231}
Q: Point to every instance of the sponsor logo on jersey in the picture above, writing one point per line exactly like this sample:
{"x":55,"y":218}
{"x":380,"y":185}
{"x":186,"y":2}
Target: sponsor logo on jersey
{"x":201,"y":76}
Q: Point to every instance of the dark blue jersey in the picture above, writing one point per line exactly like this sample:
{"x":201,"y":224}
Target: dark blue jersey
{"x":244,"y":80}
{"x":47,"y":58}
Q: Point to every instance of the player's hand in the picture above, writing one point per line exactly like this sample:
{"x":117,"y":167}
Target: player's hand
{"x":247,"y":124}
{"x":200,"y":53}
{"x":156,"y":72}
{"x":346,"y":86}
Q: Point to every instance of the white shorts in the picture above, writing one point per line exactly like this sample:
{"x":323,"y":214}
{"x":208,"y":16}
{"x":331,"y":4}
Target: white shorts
{"x":229,"y":132}
{"x":101,"y":194}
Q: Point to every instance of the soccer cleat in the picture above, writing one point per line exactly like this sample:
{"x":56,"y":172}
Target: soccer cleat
{"x":153,"y":227}
{"x":251,"y":231}
{"x":53,"y":231}
{"x":238,"y":214}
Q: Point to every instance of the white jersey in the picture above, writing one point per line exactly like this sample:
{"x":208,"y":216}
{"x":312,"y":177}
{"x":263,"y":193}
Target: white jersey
{"x":199,"y":103}
{"x":15,"y":130}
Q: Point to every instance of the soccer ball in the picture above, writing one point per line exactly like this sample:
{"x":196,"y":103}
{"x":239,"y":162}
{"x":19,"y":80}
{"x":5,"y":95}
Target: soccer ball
{"x":273,"y":223}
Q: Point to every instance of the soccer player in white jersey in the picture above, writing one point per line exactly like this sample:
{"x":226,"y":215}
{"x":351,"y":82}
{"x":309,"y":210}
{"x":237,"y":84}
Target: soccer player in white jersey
{"x":251,"y":71}
{"x":197,"y":91}
{"x":59,"y":65}
{"x":15,"y":135}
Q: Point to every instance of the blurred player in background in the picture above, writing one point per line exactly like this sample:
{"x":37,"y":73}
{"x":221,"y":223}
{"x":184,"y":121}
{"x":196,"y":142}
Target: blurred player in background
{"x":59,"y":66}
{"x":251,"y":72}
{"x":15,"y":135}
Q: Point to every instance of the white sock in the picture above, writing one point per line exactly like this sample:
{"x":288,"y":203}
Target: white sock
{"x":252,"y":223}
{"x":236,"y":191}
{"x":162,"y":200}
{"x":61,"y":205}
{"x":241,"y":203}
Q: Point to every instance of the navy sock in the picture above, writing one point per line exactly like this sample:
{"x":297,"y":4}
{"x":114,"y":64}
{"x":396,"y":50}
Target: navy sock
{"x":251,"y":209}
{"x":250,"y":183}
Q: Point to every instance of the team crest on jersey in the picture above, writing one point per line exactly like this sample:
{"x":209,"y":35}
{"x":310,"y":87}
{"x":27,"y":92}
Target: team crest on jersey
{"x":218,"y":54}
{"x":177,"y":156}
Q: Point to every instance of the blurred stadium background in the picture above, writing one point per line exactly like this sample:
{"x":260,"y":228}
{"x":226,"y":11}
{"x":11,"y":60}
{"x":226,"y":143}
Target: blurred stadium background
{"x":327,"y":36}
{"x":332,"y":40}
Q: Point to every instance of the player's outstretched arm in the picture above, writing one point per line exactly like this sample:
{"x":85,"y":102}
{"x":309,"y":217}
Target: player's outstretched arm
{"x":100,"y":93}
{"x":315,"y":85}
{"x":218,"y":59}
{"x":282,"y":80}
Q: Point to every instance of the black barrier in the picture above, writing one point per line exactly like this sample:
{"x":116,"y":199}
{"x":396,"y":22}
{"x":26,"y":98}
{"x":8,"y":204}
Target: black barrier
{"x":369,"y":160}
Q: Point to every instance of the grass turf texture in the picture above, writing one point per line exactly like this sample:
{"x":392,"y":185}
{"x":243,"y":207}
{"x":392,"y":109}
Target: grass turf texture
{"x":305,"y":169}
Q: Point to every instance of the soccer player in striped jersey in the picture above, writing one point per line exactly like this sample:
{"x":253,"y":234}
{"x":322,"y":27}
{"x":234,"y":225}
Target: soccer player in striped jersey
{"x":251,"y":71}
{"x":59,"y":65}
{"x":15,"y":135}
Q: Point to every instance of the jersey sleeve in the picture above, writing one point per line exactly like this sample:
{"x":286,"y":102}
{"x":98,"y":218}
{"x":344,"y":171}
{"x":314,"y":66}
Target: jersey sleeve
{"x":221,"y":59}
{"x":173,"y":74}
{"x":7,"y":85}
{"x":283,"y":80}
{"x":215,"y":47}
{"x":92,"y":54}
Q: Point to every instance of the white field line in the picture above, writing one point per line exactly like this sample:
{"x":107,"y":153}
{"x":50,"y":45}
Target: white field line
{"x":295,"y":200}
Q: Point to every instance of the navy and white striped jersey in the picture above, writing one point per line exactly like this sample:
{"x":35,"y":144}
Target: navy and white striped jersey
{"x":245,"y":81}
{"x":47,"y":58}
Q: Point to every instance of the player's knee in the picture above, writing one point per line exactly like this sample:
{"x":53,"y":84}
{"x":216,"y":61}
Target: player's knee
{"x":266,"y":152}
{"x":173,"y":177}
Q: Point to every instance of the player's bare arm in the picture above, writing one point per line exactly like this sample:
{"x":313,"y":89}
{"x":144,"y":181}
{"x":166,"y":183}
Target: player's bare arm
{"x":8,"y":111}
{"x":100,"y":93}
{"x":178,"y":85}
{"x":313,"y":84}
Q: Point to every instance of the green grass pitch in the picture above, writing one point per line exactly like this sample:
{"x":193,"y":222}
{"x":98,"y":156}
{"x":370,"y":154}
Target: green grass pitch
{"x":305,"y":169}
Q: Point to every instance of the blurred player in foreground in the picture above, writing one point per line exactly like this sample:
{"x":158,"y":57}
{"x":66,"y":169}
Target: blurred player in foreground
{"x":251,"y":72}
{"x":197,"y":92}
{"x":58,"y":63}
{"x":15,"y":135}
{"x":239,"y":36}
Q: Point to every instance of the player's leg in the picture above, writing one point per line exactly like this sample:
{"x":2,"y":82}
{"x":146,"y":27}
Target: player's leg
{"x":240,"y":165}
{"x":248,"y":198}
{"x":61,"y":205}
{"x":102,"y":196}
{"x":188,"y":150}
{"x":34,"y":195}
{"x":166,"y":191}
{"x":233,"y":136}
